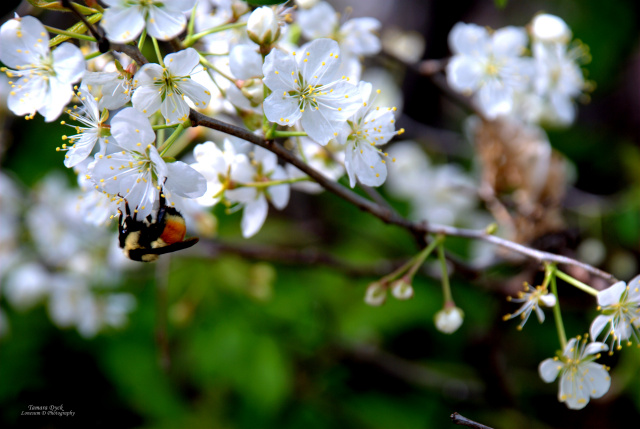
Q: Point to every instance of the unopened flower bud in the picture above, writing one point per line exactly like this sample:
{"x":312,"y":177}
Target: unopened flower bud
{"x":402,"y":289}
{"x":550,"y":28}
{"x":449,"y":319}
{"x":376,"y":294}
{"x":263,"y":27}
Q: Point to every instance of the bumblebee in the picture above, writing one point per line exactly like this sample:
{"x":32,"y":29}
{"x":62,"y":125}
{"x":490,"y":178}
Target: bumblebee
{"x":145,"y":240}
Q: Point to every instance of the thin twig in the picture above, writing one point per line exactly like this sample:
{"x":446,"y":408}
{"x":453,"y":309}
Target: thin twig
{"x":463,"y":421}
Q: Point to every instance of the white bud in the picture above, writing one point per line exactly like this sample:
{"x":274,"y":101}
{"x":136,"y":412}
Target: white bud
{"x":550,"y":28}
{"x":449,"y":319}
{"x":376,"y":294}
{"x":263,"y":27}
{"x":402,"y":289}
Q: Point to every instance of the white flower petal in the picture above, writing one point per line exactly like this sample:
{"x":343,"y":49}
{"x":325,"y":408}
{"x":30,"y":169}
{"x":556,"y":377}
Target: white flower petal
{"x":56,"y":98}
{"x":147,"y":99}
{"x":24,"y":41}
{"x":184,"y":181}
{"x":283,"y":110}
{"x":280,"y":71}
{"x":253,"y":216}
{"x":611,"y":295}
{"x":597,"y":380}
{"x":468,"y":39}
{"x":183,"y":62}
{"x":509,"y":41}
{"x":68,"y":63}
{"x":595,"y":347}
{"x":549,"y":300}
{"x":464,"y":73}
{"x":279,"y":195}
{"x":549,"y":370}
{"x":319,"y":61}
{"x":494,"y":98}
{"x":122,"y":24}
{"x":245,"y":62}
{"x":598,"y":325}
{"x":132,"y":130}
{"x":197,"y":93}
{"x":163,"y":24}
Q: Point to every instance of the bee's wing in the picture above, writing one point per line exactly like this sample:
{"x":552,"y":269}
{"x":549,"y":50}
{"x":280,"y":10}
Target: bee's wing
{"x":137,"y":254}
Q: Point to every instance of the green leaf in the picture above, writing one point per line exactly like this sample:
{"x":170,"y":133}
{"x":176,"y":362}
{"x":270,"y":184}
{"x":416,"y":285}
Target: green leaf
{"x":500,"y":4}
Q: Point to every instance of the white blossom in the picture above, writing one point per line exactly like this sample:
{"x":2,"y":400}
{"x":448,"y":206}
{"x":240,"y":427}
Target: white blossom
{"x":370,"y":127}
{"x":215,"y":165}
{"x":306,"y":86}
{"x":138,"y":173}
{"x":93,"y":130}
{"x":531,"y":298}
{"x":165,"y":88}
{"x":44,"y":78}
{"x":254,"y":200}
{"x":490,"y":65}
{"x":558,"y":80}
{"x":580,"y":377}
{"x":115,"y":87}
{"x":620,"y":308}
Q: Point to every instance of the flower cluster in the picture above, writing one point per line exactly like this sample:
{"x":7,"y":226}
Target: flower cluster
{"x":494,"y":67}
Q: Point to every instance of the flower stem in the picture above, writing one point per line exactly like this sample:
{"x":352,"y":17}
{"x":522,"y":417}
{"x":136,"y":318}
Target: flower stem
{"x":142,"y":39}
{"x":269,"y":134}
{"x":164,"y":126}
{"x":92,"y":55}
{"x":552,"y":271}
{"x":157,"y":49}
{"x":419,"y":260}
{"x":446,"y":287}
{"x":190,"y":40}
{"x":68,"y":35}
{"x":277,"y":134}
{"x":172,"y":138}
{"x":577,"y":283}
{"x":412,"y":265}
{"x":208,"y":65}
{"x":272,"y":183}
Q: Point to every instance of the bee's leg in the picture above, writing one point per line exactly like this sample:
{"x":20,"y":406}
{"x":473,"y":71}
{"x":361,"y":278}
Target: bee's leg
{"x":162,"y":209}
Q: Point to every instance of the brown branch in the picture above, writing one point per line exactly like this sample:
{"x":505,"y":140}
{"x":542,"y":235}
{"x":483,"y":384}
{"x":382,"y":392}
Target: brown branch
{"x":463,"y":421}
{"x":131,"y":51}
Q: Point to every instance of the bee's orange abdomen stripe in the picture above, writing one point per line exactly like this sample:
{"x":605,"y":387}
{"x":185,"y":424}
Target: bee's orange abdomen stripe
{"x":174,"y":230}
